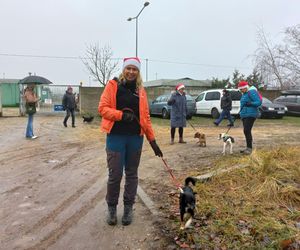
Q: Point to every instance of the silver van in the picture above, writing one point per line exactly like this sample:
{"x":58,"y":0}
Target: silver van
{"x":209,"y":102}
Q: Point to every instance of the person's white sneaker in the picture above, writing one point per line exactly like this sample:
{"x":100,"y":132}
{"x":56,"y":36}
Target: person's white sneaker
{"x":34,"y":137}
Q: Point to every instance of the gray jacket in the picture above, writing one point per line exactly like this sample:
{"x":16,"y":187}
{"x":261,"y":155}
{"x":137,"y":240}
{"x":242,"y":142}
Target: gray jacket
{"x":179,"y":110}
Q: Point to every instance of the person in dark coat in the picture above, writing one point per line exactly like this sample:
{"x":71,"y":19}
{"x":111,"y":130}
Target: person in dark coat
{"x":226,"y":106}
{"x":69,"y":105}
{"x":178,"y":112}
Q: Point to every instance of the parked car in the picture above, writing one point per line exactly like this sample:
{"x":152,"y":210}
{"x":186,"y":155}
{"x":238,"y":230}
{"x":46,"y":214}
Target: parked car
{"x":269,"y":109}
{"x":160,"y":106}
{"x":209,"y":102}
{"x":290,"y":99}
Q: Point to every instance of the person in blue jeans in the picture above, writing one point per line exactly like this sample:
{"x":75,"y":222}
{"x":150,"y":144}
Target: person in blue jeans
{"x":30,"y":100}
{"x":226,"y":106}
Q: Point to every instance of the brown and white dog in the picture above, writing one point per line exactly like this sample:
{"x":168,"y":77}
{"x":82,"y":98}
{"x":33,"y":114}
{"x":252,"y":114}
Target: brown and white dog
{"x":227,"y":140}
{"x":202,"y":139}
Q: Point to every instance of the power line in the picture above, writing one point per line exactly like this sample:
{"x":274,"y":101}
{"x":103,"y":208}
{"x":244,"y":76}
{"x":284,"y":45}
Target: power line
{"x":149,"y":60}
{"x":43,"y":56}
{"x":197,"y":64}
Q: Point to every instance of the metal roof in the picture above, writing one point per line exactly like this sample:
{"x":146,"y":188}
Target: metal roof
{"x":3,"y":80}
{"x":188,"y":82}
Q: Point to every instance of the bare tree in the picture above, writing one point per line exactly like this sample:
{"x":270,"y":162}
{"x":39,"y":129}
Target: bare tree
{"x":268,"y":61}
{"x":280,"y":63}
{"x":99,"y":63}
{"x":290,"y":55}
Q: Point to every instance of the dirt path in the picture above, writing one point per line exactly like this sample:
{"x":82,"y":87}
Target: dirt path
{"x":52,"y":189}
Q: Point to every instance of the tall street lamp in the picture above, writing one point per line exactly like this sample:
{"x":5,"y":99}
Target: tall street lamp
{"x":136,"y":27}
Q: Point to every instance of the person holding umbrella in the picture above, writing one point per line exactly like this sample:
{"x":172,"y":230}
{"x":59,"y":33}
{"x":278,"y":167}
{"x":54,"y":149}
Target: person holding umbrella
{"x":30,"y":104}
{"x":125,"y":118}
{"x":69,"y":104}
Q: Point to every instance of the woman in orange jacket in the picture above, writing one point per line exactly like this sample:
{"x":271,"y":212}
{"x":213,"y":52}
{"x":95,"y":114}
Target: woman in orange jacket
{"x":125,"y":118}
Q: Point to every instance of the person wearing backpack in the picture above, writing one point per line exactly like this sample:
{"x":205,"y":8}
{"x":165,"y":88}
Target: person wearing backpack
{"x":249,"y":103}
{"x":256,"y":87}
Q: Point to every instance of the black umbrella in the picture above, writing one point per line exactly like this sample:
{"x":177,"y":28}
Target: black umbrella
{"x":34,"y":80}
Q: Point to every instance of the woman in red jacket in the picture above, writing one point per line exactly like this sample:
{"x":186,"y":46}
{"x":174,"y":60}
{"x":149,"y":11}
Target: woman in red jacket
{"x":125,"y":118}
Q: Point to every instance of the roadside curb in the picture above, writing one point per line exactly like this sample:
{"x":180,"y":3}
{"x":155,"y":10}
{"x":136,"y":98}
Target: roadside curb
{"x":209,"y":175}
{"x":147,"y":200}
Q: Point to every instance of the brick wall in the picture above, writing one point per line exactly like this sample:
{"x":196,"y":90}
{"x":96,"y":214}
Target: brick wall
{"x":89,"y":99}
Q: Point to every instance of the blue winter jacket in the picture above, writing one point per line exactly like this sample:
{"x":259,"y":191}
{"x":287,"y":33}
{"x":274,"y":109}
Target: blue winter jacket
{"x":250,"y":102}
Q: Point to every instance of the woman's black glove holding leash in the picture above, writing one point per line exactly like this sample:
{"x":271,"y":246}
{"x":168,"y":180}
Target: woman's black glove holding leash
{"x":156,"y":148}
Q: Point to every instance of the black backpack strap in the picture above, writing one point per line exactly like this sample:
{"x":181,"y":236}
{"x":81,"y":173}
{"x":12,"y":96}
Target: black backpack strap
{"x":117,"y":80}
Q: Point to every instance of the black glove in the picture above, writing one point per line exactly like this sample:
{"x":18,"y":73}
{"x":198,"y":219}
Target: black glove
{"x":127,"y":117}
{"x":248,"y":104}
{"x":156,"y":148}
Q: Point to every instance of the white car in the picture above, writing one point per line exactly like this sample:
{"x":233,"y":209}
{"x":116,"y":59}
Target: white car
{"x":209,"y":102}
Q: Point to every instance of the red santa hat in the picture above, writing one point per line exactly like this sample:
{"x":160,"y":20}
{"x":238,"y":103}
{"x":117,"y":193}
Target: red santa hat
{"x":179,"y":86}
{"x":133,"y":61}
{"x":243,"y":84}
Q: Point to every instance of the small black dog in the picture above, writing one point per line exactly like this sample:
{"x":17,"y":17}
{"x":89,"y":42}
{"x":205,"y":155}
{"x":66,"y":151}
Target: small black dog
{"x":88,"y":118}
{"x":187,"y":202}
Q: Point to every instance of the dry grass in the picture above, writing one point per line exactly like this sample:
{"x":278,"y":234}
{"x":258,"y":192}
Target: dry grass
{"x":255,"y":207}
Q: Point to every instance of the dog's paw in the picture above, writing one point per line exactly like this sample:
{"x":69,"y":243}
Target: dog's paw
{"x":188,"y":224}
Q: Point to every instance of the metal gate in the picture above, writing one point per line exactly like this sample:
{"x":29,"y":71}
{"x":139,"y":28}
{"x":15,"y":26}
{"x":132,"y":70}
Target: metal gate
{"x":51,"y":97}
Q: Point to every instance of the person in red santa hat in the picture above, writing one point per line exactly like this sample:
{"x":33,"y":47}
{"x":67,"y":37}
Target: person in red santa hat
{"x":125,"y":119}
{"x":178,"y":112}
{"x":249,"y":103}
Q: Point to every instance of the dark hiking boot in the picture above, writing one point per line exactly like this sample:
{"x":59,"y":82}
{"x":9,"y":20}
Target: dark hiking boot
{"x":216,"y":123}
{"x":112,"y":215}
{"x":230,"y":125}
{"x":181,"y":140}
{"x":65,"y":124}
{"x":246,"y":151}
{"x":172,"y":141}
{"x":73,"y":126}
{"x":127,"y":216}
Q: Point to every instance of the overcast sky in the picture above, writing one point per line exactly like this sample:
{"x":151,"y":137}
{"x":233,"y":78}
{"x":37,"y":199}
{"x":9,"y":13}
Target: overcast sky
{"x":199,"y":39}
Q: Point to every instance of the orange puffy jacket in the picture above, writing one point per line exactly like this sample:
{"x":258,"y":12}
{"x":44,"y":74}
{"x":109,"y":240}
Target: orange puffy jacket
{"x":107,"y":109}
